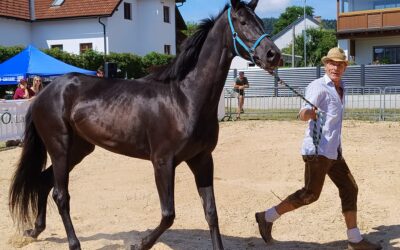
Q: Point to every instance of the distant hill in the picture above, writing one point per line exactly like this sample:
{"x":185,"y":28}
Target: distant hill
{"x":329,"y":24}
{"x":270,"y":22}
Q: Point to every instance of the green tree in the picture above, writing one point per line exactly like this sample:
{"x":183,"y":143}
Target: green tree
{"x":319,"y":42}
{"x":8,"y":52}
{"x":154,"y":59}
{"x":61,"y":55}
{"x":130,"y":65}
{"x":90,"y":59}
{"x":290,"y":15}
{"x":191,"y":28}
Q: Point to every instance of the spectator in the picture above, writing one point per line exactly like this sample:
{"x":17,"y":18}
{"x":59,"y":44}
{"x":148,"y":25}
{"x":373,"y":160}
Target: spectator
{"x":241,"y":83}
{"x":100,"y":72}
{"x":22,"y":91}
{"x":36,"y":86}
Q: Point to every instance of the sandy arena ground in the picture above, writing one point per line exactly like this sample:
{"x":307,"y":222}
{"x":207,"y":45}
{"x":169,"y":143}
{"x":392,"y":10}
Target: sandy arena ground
{"x":114,"y":200}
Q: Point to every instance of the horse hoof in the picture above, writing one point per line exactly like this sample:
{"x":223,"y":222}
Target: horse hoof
{"x":138,"y":247}
{"x":30,"y":233}
{"x":134,"y":247}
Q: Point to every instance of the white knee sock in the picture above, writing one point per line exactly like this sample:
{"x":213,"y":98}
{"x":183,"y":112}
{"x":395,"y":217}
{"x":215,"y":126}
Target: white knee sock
{"x":354,"y":235}
{"x":271,"y":215}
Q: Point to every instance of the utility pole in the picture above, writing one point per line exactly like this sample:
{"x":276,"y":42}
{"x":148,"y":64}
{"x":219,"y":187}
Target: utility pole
{"x":293,"y":40}
{"x":305,"y":36}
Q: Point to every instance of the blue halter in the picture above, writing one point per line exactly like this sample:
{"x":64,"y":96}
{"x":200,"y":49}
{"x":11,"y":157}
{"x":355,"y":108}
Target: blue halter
{"x":236,"y":39}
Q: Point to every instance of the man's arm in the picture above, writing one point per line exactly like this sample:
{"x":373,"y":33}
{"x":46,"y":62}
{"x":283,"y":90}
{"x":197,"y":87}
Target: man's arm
{"x":235,"y":85}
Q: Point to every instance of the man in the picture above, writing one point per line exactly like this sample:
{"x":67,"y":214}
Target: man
{"x":241,"y":83}
{"x":326,"y":93}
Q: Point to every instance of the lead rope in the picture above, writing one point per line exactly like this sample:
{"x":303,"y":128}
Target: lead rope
{"x":321,"y":116}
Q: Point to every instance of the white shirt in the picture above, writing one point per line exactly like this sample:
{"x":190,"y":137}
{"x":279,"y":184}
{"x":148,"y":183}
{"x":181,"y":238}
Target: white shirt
{"x":322,"y":93}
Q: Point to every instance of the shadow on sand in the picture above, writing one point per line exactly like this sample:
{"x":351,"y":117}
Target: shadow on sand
{"x":183,"y":239}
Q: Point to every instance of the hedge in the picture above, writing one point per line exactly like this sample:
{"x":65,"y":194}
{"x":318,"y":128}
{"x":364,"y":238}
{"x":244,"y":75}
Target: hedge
{"x":129,"y":65}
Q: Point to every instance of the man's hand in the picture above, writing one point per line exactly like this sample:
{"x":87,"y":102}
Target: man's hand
{"x":307,"y":114}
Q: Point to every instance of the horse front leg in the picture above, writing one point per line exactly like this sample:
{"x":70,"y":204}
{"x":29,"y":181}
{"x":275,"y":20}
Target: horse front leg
{"x":46,"y":185}
{"x":202,"y":167}
{"x":164,"y":171}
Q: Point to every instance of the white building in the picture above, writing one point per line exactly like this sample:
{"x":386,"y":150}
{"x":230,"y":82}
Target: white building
{"x":282,"y":40}
{"x":134,"y":26}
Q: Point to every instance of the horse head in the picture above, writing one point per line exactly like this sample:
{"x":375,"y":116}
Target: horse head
{"x":249,"y":38}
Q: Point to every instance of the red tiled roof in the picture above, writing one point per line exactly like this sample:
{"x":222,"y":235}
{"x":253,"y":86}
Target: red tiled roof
{"x":19,"y":9}
{"x":15,"y":9}
{"x":74,"y":8}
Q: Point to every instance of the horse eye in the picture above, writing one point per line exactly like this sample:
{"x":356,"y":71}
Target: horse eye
{"x":242,"y":22}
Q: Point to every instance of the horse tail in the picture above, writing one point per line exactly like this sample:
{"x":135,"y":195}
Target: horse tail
{"x":25,"y":184}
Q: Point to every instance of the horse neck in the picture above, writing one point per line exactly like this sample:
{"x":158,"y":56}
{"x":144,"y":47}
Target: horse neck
{"x":208,"y":79}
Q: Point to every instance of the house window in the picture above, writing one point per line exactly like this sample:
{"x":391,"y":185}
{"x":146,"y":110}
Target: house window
{"x":385,"y":4}
{"x":387,"y":55}
{"x":166,"y":14}
{"x":57,"y":46}
{"x":167,"y":49}
{"x":57,"y":3}
{"x":127,"y":11}
{"x":85,"y":46}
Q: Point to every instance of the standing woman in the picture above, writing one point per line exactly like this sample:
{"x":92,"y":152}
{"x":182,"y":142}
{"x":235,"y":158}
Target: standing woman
{"x":22,"y":90}
{"x":36,"y":86}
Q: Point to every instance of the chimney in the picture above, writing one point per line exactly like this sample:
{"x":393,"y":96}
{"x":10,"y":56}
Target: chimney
{"x":318,"y":19}
{"x":32,"y":10}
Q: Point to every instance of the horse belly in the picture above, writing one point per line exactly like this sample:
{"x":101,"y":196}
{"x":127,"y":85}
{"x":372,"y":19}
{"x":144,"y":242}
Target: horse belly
{"x":117,"y":135}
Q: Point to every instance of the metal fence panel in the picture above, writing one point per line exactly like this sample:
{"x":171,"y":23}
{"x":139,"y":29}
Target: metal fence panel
{"x":264,"y":105}
{"x":382,"y":75}
{"x":363,"y":103}
{"x":391,"y":104}
{"x":372,"y":91}
{"x":355,"y":76}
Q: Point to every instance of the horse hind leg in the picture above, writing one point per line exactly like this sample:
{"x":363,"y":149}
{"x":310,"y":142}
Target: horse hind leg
{"x":164,"y":171}
{"x":66,"y":150}
{"x":80,"y":149}
{"x":202,"y":167}
{"x":46,"y":180}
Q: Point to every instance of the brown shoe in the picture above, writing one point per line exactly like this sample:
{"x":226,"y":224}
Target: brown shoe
{"x":364,"y":245}
{"x":264,"y":227}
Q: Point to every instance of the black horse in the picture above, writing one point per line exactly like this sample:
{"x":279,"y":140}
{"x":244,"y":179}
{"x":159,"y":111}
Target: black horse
{"x":167,"y":117}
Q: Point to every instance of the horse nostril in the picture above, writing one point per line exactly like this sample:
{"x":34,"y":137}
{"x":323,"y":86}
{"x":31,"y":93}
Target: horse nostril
{"x":271,"y":54}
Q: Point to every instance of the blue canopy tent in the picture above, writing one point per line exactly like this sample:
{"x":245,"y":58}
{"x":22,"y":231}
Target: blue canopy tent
{"x":32,"y":61}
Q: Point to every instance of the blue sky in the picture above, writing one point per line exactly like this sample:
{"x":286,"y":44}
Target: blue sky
{"x":195,"y":10}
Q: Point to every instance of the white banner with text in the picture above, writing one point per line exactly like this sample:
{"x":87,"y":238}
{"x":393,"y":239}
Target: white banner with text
{"x":12,"y":119}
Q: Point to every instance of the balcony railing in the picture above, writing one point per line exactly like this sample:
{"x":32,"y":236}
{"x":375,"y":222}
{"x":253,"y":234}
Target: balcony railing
{"x":370,"y":20}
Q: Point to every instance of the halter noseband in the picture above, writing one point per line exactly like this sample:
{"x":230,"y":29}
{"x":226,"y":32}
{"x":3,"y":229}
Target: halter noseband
{"x":236,"y":39}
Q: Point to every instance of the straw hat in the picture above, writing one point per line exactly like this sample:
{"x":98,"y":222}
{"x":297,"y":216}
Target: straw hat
{"x":335,"y":54}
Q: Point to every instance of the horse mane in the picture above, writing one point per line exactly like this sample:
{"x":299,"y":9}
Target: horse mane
{"x":187,"y":59}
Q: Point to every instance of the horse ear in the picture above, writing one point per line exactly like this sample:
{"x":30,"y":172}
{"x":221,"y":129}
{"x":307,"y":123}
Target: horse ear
{"x":235,"y":3}
{"x":253,"y":4}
